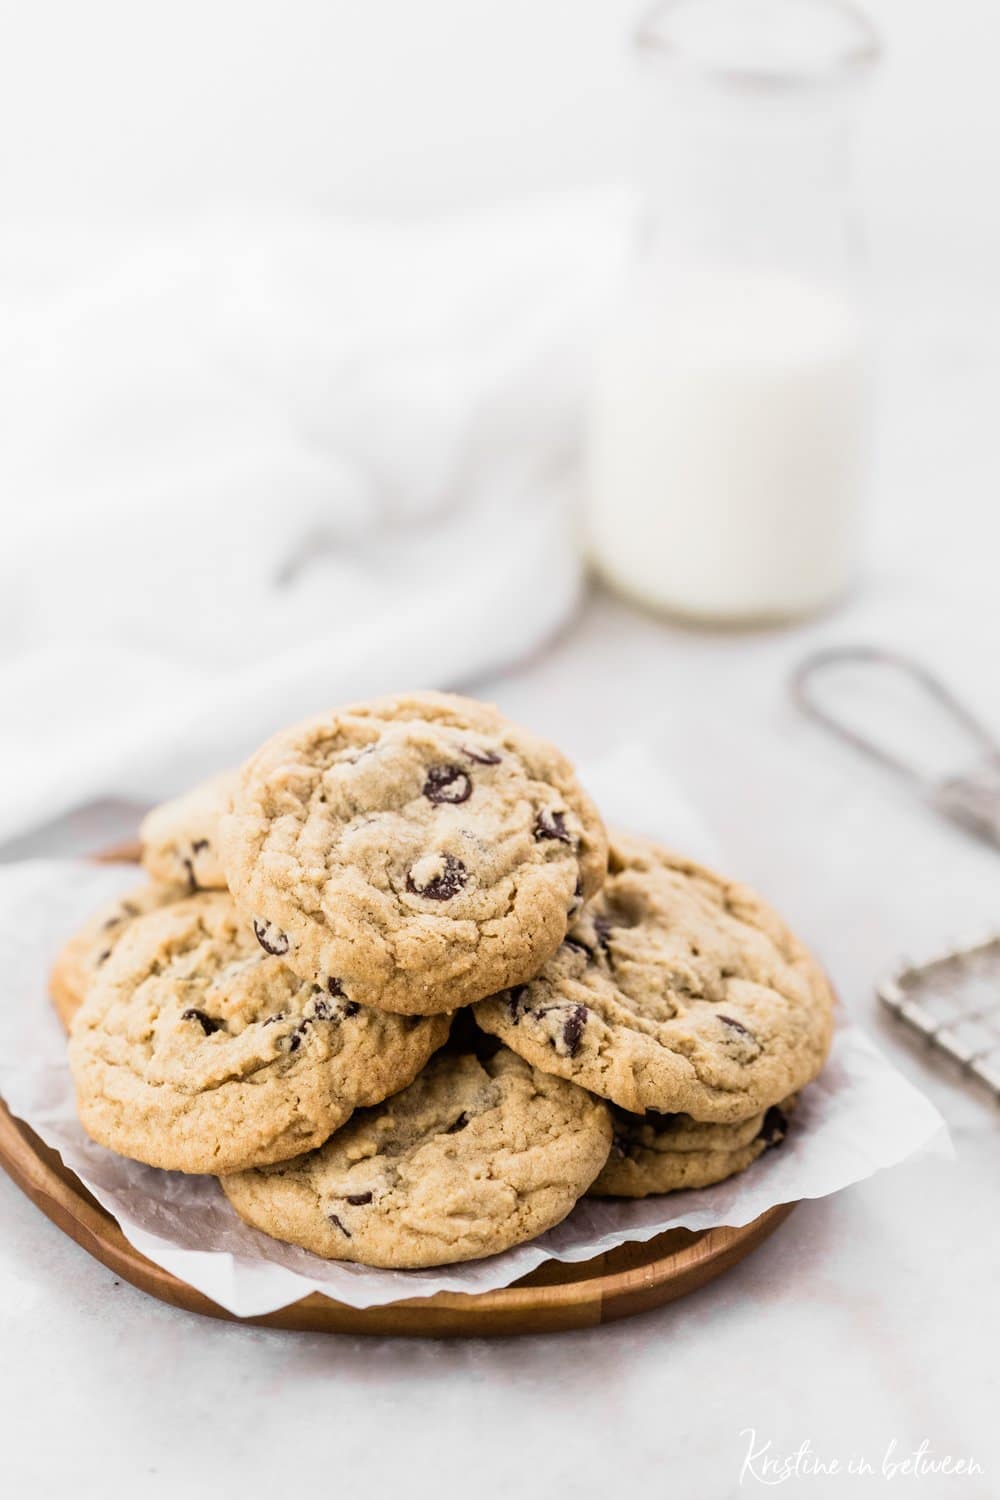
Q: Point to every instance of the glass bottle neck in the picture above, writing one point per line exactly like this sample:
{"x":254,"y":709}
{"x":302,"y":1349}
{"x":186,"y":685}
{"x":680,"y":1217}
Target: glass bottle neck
{"x":734,"y":177}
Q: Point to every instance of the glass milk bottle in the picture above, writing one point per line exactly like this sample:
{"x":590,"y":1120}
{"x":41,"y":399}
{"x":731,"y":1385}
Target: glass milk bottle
{"x":728,"y":431}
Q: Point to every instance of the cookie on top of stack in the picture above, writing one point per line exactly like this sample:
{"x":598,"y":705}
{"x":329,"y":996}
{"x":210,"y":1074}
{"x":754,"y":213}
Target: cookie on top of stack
{"x":275,"y":1005}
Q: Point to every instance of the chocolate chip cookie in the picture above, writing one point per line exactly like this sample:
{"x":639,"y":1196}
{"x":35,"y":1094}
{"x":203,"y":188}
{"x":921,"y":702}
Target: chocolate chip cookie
{"x":419,"y":852}
{"x":663,"y":1153}
{"x":86,"y":951}
{"x":197,"y":1051}
{"x":180,"y":844}
{"x":473,"y":1157}
{"x":676,"y":990}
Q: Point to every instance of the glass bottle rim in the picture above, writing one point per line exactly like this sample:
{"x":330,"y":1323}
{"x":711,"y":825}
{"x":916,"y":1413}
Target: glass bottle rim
{"x":659,"y":39}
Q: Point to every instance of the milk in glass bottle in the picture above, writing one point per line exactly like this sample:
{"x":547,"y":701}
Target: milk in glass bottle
{"x":728,"y":434}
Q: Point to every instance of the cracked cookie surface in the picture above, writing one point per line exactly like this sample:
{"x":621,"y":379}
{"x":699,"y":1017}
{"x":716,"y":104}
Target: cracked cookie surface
{"x":475,"y":1156}
{"x":420,"y":850}
{"x":196,"y":1051}
{"x":84,"y":954}
{"x":676,"y":990}
{"x":665,"y":1153}
{"x":180,"y":838}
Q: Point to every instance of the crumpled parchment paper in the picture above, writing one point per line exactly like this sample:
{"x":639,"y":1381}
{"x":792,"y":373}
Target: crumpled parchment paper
{"x":859,"y":1117}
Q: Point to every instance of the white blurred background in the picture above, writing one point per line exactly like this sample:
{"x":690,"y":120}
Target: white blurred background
{"x":151,"y":115}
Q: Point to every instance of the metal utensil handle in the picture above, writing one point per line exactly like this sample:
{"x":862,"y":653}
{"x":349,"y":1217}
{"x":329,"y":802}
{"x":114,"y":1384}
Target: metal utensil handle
{"x":803,"y":680}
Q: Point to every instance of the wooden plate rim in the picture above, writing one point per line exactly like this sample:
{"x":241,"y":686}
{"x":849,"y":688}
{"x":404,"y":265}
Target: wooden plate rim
{"x":660,"y":1273}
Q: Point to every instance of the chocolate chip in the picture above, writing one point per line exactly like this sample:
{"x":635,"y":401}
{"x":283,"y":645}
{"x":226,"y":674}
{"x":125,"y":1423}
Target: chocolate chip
{"x":514,"y":998}
{"x":573,"y":1028}
{"x":482,"y":757}
{"x":578,"y":944}
{"x":322,"y":1010}
{"x":736,"y":1025}
{"x":271,"y":938}
{"x":270,"y":1020}
{"x":444,"y":885}
{"x":199,"y":845}
{"x":295,"y":1040}
{"x":459,"y":1124}
{"x":192,"y":879}
{"x":335,"y":1221}
{"x":774,"y":1128}
{"x":351,"y":1009}
{"x":552,"y":825}
{"x":205,"y":1022}
{"x":604,"y":927}
{"x":335,"y":987}
{"x":447,"y":784}
{"x":103,"y":957}
{"x":358,"y":1199}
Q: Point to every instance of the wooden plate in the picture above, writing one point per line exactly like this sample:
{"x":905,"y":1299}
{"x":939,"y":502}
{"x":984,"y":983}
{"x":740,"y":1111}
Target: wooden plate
{"x":631,"y":1279}
{"x":628,"y":1280}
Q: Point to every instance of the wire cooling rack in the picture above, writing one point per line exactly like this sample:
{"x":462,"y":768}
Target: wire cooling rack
{"x":952,"y":1000}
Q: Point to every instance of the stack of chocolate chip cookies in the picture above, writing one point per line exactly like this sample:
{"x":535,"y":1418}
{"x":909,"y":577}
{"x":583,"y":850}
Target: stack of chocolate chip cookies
{"x":392,"y":985}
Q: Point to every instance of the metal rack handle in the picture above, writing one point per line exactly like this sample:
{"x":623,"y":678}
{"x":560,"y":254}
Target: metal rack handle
{"x":804,"y":678}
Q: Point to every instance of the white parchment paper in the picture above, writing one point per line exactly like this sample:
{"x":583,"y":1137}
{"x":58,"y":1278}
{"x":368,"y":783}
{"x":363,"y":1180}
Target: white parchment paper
{"x":860,"y":1116}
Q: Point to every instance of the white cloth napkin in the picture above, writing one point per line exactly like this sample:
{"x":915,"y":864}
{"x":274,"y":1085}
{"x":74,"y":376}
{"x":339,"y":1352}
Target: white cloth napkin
{"x":250,"y":473}
{"x":859,"y":1117}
